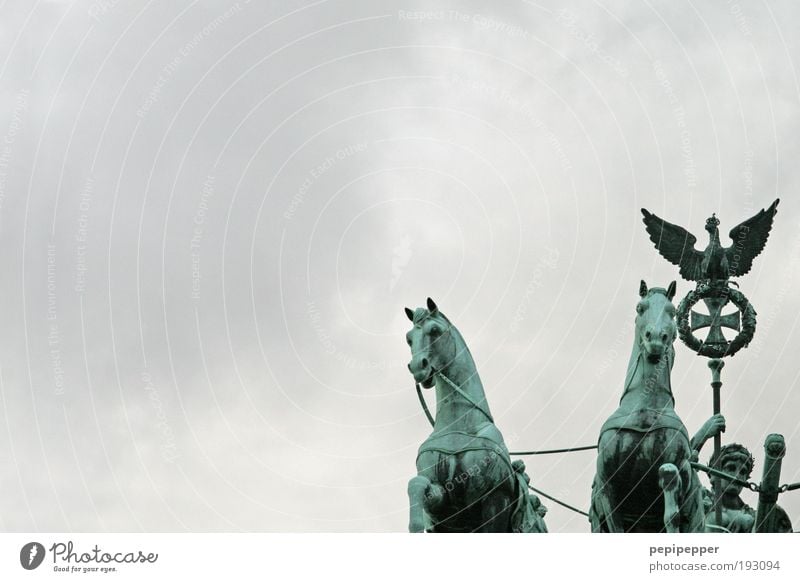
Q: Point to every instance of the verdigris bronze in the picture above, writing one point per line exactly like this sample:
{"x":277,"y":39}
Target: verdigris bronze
{"x":712,"y":269}
{"x":644,"y":482}
{"x":465,"y":479}
{"x":734,"y":515}
{"x":716,"y":295}
{"x":715,"y":263}
{"x":726,"y":511}
{"x":770,"y":517}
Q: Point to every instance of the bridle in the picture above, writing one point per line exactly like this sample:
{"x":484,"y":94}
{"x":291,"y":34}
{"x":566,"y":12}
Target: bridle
{"x":669,"y":355}
{"x":436,"y":373}
{"x":455,"y":387}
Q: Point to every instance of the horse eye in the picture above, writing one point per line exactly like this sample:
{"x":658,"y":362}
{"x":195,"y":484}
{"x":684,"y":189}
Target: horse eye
{"x":640,"y":309}
{"x":435,"y":330}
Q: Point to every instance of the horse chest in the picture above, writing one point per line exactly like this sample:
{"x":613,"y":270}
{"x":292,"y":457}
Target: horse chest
{"x":459,"y":460}
{"x":644,"y":420}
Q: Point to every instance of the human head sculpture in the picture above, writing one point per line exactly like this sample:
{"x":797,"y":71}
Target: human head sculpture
{"x":433,"y":348}
{"x":736,"y":460}
{"x":656,"y":328}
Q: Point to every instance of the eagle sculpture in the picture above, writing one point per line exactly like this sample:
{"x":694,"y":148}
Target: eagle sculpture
{"x":715,"y":263}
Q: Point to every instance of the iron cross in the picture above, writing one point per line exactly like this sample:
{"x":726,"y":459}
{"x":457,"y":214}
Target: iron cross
{"x":715,"y":320}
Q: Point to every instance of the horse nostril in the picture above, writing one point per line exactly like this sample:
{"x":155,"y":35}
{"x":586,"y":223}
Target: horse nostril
{"x":664,"y":337}
{"x":424,"y":362}
{"x":647,"y":335}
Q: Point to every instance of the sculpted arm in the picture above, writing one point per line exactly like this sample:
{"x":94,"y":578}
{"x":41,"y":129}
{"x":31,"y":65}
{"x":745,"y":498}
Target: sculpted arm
{"x":711,"y":428}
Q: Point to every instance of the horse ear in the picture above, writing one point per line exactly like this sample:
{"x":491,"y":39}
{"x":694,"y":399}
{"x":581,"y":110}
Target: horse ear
{"x":410,"y":314}
{"x":642,"y":288}
{"x":432,"y":306}
{"x":671,"y":290}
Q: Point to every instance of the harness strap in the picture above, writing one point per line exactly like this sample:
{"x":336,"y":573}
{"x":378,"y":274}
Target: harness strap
{"x":636,"y":367}
{"x":469,"y":399}
{"x":432,"y":422}
{"x":424,"y":405}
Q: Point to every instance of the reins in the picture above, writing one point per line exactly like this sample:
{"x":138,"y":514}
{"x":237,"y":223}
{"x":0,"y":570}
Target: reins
{"x":432,"y":422}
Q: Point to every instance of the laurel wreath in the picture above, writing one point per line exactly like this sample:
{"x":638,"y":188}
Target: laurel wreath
{"x":716,"y":350}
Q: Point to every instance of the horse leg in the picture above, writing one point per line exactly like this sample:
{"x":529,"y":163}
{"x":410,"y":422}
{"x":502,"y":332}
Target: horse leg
{"x":603,"y":503}
{"x":669,"y":479}
{"x":693,"y":513}
{"x":496,"y":509}
{"x":423,"y":497}
{"x":601,"y":513}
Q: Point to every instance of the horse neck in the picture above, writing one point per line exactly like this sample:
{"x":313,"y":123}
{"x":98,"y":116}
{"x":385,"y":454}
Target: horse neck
{"x":648,"y":384}
{"x":453,"y":410}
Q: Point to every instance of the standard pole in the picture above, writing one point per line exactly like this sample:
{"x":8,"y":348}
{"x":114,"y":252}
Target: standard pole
{"x":716,"y":366}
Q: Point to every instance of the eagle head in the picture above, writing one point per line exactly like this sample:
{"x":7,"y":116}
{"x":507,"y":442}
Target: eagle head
{"x":712,"y":223}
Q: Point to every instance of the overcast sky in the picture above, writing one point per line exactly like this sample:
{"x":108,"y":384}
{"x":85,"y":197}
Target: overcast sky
{"x":212,"y":215}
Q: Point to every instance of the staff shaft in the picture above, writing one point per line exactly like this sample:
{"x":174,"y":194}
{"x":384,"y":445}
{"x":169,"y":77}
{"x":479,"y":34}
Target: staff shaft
{"x":716,"y":366}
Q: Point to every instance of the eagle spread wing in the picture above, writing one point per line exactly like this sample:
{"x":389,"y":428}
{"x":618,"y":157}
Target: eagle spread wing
{"x":749,"y":239}
{"x":676,"y":244}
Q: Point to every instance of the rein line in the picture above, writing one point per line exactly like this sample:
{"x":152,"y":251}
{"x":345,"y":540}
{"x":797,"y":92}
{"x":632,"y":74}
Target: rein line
{"x":636,"y":367}
{"x":561,"y":503}
{"x":468,"y":398}
{"x":432,"y":422}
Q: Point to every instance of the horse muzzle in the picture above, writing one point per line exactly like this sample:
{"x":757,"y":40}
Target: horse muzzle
{"x":654,"y":351}
{"x":422,"y":372}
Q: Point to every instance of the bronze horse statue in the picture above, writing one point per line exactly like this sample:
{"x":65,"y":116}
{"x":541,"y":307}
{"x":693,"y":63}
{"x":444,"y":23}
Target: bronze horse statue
{"x":465,"y":479}
{"x":644,"y":482}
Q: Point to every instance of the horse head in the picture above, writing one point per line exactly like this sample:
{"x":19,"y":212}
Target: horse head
{"x":656,"y":329}
{"x":433,"y":347}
